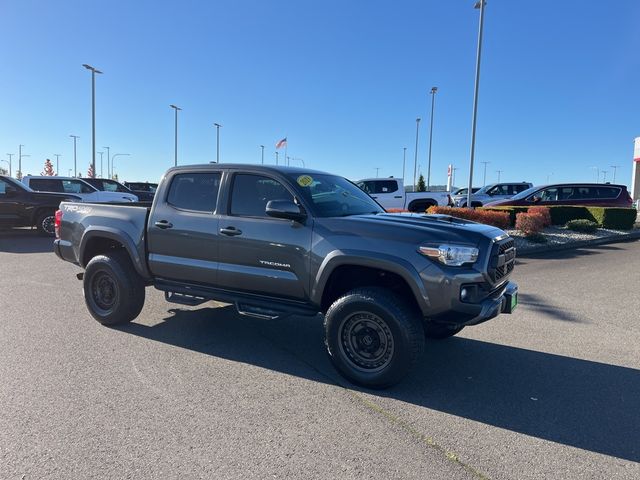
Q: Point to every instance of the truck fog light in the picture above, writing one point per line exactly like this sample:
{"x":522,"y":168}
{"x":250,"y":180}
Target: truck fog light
{"x":464,"y":293}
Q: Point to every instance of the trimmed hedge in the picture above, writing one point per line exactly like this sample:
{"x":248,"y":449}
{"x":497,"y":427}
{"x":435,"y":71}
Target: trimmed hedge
{"x":606,"y":217}
{"x":586,"y":226}
{"x":496,"y":219}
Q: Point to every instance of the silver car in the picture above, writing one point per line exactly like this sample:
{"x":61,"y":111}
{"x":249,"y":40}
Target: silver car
{"x":492,"y":192}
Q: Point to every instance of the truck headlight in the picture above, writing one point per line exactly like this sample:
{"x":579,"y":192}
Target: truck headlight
{"x":452,"y":255}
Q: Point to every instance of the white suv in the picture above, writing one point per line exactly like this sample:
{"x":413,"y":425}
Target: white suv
{"x":77,"y":187}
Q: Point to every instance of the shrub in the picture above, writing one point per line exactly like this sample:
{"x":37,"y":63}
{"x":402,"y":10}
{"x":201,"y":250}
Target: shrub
{"x":512,"y":211}
{"x":560,"y":215}
{"x":582,"y":225}
{"x":488,"y":217}
{"x":543,"y":212}
{"x":615,"y":218}
{"x":396,"y":210}
{"x":530,"y":223}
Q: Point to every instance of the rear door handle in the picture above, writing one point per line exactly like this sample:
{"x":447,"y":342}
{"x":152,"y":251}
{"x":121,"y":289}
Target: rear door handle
{"x":230,"y":231}
{"x":398,"y":196}
{"x":163,"y":224}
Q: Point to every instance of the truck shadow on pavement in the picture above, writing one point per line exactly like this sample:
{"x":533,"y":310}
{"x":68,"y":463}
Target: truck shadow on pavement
{"x":580,"y":403}
{"x":24,"y":240}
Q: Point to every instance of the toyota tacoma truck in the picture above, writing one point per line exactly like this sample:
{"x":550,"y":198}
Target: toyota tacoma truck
{"x":277,"y":241}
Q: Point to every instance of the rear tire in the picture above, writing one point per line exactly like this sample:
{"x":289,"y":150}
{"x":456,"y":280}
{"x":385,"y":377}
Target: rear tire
{"x":373,"y":338}
{"x":113,"y":290}
{"x":435,"y":331}
{"x":45,"y":223}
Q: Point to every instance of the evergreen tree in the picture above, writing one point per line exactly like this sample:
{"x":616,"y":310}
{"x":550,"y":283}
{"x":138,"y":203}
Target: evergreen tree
{"x":422,"y":187}
{"x":48,"y":169}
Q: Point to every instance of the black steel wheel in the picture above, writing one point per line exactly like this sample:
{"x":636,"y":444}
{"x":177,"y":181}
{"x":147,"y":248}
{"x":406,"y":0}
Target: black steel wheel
{"x":373,"y":337}
{"x":113,"y":290}
{"x":45,"y":223}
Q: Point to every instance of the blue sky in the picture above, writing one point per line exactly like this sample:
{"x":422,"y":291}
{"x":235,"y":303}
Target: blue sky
{"x":342,"y":80}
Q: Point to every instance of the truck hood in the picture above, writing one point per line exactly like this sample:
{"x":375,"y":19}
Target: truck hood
{"x":414,"y":228}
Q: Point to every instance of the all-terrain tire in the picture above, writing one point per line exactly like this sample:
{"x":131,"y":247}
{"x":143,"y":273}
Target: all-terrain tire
{"x":373,"y":337}
{"x":113,"y":290}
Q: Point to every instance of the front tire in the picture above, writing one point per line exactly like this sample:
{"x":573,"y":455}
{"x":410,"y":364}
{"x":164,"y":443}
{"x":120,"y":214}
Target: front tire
{"x":113,"y":290}
{"x":373,"y":338}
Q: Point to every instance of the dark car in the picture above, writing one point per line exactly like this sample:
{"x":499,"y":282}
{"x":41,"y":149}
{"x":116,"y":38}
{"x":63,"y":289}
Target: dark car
{"x":144,"y":190}
{"x":108,"y":185}
{"x":22,"y":207}
{"x":580,"y":194}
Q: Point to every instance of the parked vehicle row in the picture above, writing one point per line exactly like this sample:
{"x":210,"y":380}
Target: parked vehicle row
{"x":20,"y":206}
{"x":77,"y":187}
{"x":587,"y":194}
{"x":493,"y":192}
{"x":109,"y":185}
{"x":275,"y":241}
{"x":390,"y":194}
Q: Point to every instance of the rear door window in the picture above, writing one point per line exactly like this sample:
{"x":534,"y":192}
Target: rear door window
{"x":194,"y":191}
{"x":76,"y":186}
{"x":608,"y":192}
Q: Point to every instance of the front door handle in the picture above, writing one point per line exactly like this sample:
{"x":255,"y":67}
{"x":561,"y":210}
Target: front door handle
{"x":163,"y":224}
{"x":230,"y":231}
{"x":398,"y":196}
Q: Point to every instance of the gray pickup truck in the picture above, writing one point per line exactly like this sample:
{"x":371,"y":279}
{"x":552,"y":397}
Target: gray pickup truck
{"x":276,"y":241}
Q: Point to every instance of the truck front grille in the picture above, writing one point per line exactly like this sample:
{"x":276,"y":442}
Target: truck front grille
{"x":503,"y":259}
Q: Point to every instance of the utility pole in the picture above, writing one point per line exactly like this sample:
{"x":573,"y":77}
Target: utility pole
{"x":262,"y":155}
{"x":433,"y":102}
{"x":377,"y":170}
{"x":480,"y":4}
{"x":404,"y":161}
{"x":108,"y":161}
{"x":499,"y":172}
{"x":75,"y":158}
{"x":415,"y":161}
{"x":10,"y":155}
{"x":100,"y":153}
{"x":484,"y":178}
{"x":57,"y":155}
{"x":175,"y":145}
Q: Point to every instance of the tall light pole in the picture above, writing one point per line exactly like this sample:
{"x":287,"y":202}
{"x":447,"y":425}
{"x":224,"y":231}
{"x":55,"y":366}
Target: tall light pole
{"x":480,"y":4}
{"x":93,"y":115}
{"x":604,"y":176}
{"x":20,"y":161}
{"x":69,"y":172}
{"x":484,"y":178}
{"x":108,"y":161}
{"x":302,"y":160}
{"x":499,"y":172}
{"x":10,"y":155}
{"x":404,"y":161}
{"x":377,"y":170}
{"x":100,"y":153}
{"x":276,"y":157}
{"x":415,"y":161}
{"x":262,"y":156}
{"x":113,"y":158}
{"x":57,"y":155}
{"x":433,"y":102}
{"x":175,"y":146}
{"x":597,"y":169}
{"x":615,"y":168}
{"x":217,"y":125}
{"x":75,"y":158}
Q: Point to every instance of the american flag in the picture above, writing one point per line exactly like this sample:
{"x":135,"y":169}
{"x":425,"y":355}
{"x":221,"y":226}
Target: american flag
{"x":282,"y":143}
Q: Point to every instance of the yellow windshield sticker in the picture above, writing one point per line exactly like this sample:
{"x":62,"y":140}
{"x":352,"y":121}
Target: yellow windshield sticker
{"x":305,"y":180}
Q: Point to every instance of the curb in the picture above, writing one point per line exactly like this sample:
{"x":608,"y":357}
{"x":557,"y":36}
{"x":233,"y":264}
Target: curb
{"x":532,"y":252}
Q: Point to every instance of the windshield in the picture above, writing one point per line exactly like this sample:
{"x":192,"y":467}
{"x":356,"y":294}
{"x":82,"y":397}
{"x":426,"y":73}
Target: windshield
{"x":333,"y":196}
{"x":113,"y":186}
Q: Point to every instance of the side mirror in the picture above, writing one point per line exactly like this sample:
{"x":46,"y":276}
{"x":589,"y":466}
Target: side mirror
{"x":285,"y":209}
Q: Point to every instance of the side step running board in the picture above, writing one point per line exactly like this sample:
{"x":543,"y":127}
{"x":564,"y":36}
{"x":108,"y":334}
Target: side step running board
{"x":184,"y":299}
{"x":255,"y":311}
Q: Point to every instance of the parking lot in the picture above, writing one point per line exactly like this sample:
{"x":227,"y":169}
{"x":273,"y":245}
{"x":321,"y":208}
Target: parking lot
{"x":552,"y":391}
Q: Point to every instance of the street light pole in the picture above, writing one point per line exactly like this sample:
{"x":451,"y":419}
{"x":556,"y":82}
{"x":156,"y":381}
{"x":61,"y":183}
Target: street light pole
{"x":615,"y":168}
{"x":20,"y":161}
{"x":404,"y":161}
{"x":108,"y":161}
{"x":377,"y":170}
{"x":57,"y":155}
{"x":480,"y":4}
{"x":217,"y":125}
{"x":75,"y":163}
{"x":433,"y":102}
{"x":604,"y":176}
{"x":93,"y":115}
{"x":484,"y":178}
{"x":101,"y":153}
{"x":415,"y":161}
{"x":10,"y":155}
{"x":262,"y":155}
{"x":276,"y":157}
{"x":499,"y":172}
{"x":175,"y":146}
{"x":114,"y":157}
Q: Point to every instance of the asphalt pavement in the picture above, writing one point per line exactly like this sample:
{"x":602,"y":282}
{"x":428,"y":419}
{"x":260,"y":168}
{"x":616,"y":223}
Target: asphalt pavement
{"x":552,"y":391}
